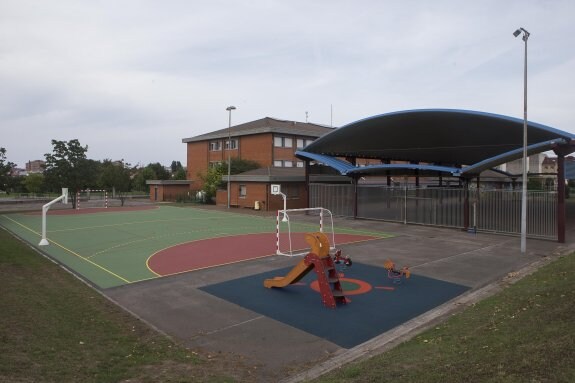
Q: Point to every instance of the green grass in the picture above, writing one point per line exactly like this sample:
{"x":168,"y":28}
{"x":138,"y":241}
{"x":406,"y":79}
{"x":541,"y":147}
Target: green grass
{"x":54,"y":328}
{"x":526,"y":333}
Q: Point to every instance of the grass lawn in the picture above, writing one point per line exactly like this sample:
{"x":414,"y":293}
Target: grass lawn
{"x":526,"y":333}
{"x":54,"y":328}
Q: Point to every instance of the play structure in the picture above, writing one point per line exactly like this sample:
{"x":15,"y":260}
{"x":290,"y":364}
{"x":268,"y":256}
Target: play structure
{"x":322,"y":263}
{"x":396,"y":275}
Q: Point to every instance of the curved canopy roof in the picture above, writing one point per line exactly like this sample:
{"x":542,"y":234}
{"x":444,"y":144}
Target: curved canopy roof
{"x":459,"y":142}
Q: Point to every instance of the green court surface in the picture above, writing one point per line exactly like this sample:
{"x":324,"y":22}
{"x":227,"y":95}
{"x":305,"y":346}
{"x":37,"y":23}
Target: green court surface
{"x":111,"y":248}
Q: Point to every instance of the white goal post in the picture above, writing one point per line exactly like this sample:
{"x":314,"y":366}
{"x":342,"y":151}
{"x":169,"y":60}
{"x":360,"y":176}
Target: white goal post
{"x":88,"y":193}
{"x":45,"y":208}
{"x":314,"y":216}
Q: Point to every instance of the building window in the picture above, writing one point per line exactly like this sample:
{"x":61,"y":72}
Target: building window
{"x":213,"y":164}
{"x":283,"y":164}
{"x":282,"y":142}
{"x":290,"y":190}
{"x":234,"y":143}
{"x":215,"y":146}
{"x":243,"y":191}
{"x":302,"y":143}
{"x":299,"y":164}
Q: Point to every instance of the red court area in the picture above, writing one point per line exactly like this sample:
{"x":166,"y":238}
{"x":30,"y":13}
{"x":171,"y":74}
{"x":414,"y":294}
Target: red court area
{"x":225,"y":250}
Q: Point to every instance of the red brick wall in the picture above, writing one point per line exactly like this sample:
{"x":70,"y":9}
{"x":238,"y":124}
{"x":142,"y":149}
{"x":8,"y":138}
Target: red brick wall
{"x":257,"y":191}
{"x":257,"y":148}
{"x":197,"y":158}
{"x":168,"y":192}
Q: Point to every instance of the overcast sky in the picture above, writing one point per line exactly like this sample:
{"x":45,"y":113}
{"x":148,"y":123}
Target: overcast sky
{"x":130,"y":79}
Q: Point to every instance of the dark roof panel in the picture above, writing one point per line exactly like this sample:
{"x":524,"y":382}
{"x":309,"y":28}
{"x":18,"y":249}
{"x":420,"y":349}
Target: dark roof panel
{"x":436,"y":136}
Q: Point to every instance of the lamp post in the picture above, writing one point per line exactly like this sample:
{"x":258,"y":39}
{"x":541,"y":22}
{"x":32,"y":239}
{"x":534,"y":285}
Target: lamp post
{"x":524,"y":184}
{"x":229,"y":109}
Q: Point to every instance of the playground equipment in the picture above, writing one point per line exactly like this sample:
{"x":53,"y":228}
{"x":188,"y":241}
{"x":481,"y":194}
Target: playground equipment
{"x":396,"y":275}
{"x":321,"y":262}
{"x":342,"y":259}
{"x":45,"y":208}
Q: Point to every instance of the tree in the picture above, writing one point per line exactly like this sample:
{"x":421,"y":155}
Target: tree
{"x":213,"y":178}
{"x":34,"y":183}
{"x":239,"y":165}
{"x":178,"y":171}
{"x":160,"y":171}
{"x":67,"y":166}
{"x":6,"y":168}
{"x":180,"y":174}
{"x":175,"y":166}
{"x":116,"y":176}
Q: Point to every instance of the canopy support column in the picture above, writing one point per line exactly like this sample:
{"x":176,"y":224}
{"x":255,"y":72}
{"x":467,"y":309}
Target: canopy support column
{"x":561,"y":198}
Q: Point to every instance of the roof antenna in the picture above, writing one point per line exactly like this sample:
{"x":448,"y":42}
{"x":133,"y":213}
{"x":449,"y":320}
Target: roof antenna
{"x":306,"y":113}
{"x":331,"y":115}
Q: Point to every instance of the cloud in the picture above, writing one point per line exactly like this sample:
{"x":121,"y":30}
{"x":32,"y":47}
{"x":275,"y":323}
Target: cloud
{"x":130,"y":79}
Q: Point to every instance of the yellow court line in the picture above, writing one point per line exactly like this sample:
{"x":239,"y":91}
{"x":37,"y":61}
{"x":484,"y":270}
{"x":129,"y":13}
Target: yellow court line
{"x":72,"y":252}
{"x":92,"y":263}
{"x":19,"y":224}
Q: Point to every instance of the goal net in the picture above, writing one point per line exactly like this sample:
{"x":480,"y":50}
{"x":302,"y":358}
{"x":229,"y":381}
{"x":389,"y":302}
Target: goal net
{"x":293,"y":224}
{"x":86,"y":199}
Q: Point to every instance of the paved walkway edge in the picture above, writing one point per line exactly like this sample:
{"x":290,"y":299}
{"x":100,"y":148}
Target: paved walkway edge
{"x":410,"y":329}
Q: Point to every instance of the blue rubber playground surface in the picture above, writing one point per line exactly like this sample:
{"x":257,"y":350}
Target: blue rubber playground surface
{"x":376,"y":303}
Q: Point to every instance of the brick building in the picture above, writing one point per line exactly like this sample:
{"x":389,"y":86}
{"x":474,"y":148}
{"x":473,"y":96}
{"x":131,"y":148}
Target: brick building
{"x":36,"y":166}
{"x":271,"y":143}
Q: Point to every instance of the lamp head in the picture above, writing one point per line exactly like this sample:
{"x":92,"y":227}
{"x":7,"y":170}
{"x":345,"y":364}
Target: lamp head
{"x":525,"y":33}
{"x":229,"y":108}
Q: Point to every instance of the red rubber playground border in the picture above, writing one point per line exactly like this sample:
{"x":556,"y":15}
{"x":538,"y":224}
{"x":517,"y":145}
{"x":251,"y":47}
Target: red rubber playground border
{"x":221,"y":251}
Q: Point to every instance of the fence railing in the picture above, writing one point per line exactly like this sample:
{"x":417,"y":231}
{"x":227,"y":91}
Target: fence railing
{"x":496,"y":211}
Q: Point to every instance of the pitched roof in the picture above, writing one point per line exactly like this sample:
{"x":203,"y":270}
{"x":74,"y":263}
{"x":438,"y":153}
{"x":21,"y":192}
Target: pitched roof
{"x":265,"y":125}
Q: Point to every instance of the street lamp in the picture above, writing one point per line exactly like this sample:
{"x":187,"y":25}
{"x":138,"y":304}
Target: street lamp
{"x":229,"y":109}
{"x":524,"y":185}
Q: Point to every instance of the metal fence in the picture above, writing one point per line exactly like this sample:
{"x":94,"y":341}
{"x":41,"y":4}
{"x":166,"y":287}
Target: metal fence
{"x":497,"y":211}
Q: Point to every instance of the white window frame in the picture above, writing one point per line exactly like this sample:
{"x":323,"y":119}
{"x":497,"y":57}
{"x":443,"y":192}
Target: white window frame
{"x":215,"y":146}
{"x":283,"y":142}
{"x":243,"y":191}
{"x":234,"y":143}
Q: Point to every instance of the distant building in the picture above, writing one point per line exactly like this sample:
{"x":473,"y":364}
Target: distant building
{"x":36,"y":166}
